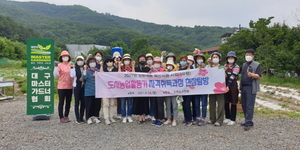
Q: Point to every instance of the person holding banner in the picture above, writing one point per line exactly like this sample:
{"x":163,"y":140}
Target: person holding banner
{"x":141,"y":104}
{"x":250,"y":80}
{"x":158,"y":101}
{"x":93,"y":104}
{"x":187,"y":99}
{"x":200,"y":64}
{"x":171,"y":101}
{"x":216,"y":117}
{"x":78,"y":84}
{"x":231,"y":98}
{"x":149,"y":58}
{"x":117,"y":59}
{"x":127,"y":65}
{"x":108,"y":103}
{"x":64,"y":85}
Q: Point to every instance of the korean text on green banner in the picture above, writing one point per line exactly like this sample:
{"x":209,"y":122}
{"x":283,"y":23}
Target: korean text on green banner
{"x":40,"y":79}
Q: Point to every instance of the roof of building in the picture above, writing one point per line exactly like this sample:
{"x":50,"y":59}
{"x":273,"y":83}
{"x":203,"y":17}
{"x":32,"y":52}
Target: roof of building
{"x":212,"y":49}
{"x":226,"y":35}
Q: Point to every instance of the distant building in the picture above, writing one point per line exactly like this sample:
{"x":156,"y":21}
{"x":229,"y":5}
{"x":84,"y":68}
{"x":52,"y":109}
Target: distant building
{"x":210,"y":50}
{"x":225,"y":36}
{"x":76,"y":49}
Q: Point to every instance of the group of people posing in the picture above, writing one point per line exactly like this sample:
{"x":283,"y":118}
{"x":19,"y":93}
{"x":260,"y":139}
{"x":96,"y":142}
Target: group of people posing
{"x":79,"y":79}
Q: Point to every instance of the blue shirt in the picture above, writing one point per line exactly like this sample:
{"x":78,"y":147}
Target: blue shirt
{"x":89,"y":89}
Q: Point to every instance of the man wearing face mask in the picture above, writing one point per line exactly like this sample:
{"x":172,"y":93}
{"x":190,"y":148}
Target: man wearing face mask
{"x":250,"y":80}
{"x":141,"y":104}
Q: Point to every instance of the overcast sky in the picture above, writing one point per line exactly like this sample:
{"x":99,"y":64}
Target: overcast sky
{"x":225,"y":13}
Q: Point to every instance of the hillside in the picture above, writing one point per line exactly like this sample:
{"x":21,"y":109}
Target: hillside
{"x":66,"y":31}
{"x":199,"y":35}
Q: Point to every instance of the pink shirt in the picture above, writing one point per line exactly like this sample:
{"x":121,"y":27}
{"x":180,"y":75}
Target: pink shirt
{"x":159,"y":70}
{"x":64,"y":80}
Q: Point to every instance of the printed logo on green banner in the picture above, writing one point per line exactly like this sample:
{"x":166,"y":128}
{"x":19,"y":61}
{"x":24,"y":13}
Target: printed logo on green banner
{"x":40,"y":79}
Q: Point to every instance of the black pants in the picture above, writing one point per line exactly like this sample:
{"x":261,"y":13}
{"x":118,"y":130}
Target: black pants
{"x":79,"y":103}
{"x":230,"y":111}
{"x":159,"y":108}
{"x":64,"y":94}
{"x":119,"y":106}
{"x":93,"y":106}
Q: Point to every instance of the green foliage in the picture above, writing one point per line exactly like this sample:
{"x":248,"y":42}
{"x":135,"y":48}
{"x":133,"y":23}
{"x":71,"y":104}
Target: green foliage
{"x":12,"y":50}
{"x":14,"y":31}
{"x":276,"y":46}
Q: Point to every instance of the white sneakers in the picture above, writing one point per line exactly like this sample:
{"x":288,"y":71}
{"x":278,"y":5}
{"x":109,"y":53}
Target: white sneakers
{"x":124,"y":120}
{"x":112,"y":120}
{"x":107,"y":122}
{"x":129,"y":119}
{"x":96,"y":120}
{"x":226,"y":120}
{"x":229,"y":122}
{"x":174,"y":123}
{"x":153,"y":119}
{"x":90,"y":121}
{"x":167,"y":122}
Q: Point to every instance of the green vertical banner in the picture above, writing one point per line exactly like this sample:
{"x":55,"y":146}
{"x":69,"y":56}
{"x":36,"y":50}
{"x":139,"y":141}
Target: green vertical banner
{"x":40,"y":79}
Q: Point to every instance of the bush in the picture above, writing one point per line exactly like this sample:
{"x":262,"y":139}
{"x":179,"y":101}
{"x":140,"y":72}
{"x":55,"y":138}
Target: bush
{"x":24,"y":64}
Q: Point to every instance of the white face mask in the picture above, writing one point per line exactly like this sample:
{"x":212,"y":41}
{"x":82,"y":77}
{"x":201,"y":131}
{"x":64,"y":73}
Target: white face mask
{"x":170,"y":59}
{"x":65,"y":58}
{"x":127,"y":62}
{"x":170,"y":67}
{"x":109,"y":64}
{"x":149,"y":62}
{"x":230,"y":60}
{"x":156,"y":65}
{"x":92,"y":65}
{"x":79,"y":63}
{"x":248,"y":58}
{"x":98,"y":58}
{"x":200,"y":61}
{"x":215,"y":60}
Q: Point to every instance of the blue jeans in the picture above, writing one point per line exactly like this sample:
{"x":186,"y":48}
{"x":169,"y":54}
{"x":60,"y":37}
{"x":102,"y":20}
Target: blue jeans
{"x":151,"y":112}
{"x":127,"y":100}
{"x":203,"y":99}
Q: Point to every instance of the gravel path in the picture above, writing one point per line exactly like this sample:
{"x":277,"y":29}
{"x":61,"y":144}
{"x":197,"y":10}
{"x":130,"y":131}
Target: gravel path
{"x":18,"y":131}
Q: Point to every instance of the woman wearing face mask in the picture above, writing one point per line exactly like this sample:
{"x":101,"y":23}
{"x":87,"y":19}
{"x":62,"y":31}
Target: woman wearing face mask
{"x":93,"y":104}
{"x":78,"y":84}
{"x":200,"y":64}
{"x":171,"y":102}
{"x":64,"y":85}
{"x":231,"y":98}
{"x":141,"y":104}
{"x":98,"y":57}
{"x":216,"y":117}
{"x":127,"y":65}
{"x":108,"y":103}
{"x":171,"y":57}
{"x":158,"y":101}
{"x":186,"y":104}
{"x":149,"y":58}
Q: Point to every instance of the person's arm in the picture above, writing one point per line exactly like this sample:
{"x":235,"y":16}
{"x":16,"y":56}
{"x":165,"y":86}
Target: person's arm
{"x":72,"y":72}
{"x":119,"y":68}
{"x":235,"y":72}
{"x":132,"y":65}
{"x":255,"y":75}
{"x":101,"y":67}
{"x":56,"y":72}
{"x":84,"y":74}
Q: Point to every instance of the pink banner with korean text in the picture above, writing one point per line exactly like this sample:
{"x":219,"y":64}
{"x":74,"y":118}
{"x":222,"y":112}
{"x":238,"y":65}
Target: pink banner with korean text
{"x":135,"y":84}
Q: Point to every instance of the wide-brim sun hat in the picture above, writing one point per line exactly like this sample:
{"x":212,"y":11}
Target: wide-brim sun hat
{"x":79,"y":57}
{"x":231,"y":54}
{"x":126,"y":56}
{"x":65,"y":53}
{"x":171,"y":55}
{"x":157,"y":59}
{"x":170,"y":62}
{"x":149,"y":55}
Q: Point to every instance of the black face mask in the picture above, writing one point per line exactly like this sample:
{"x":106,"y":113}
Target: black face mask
{"x":143,"y":63}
